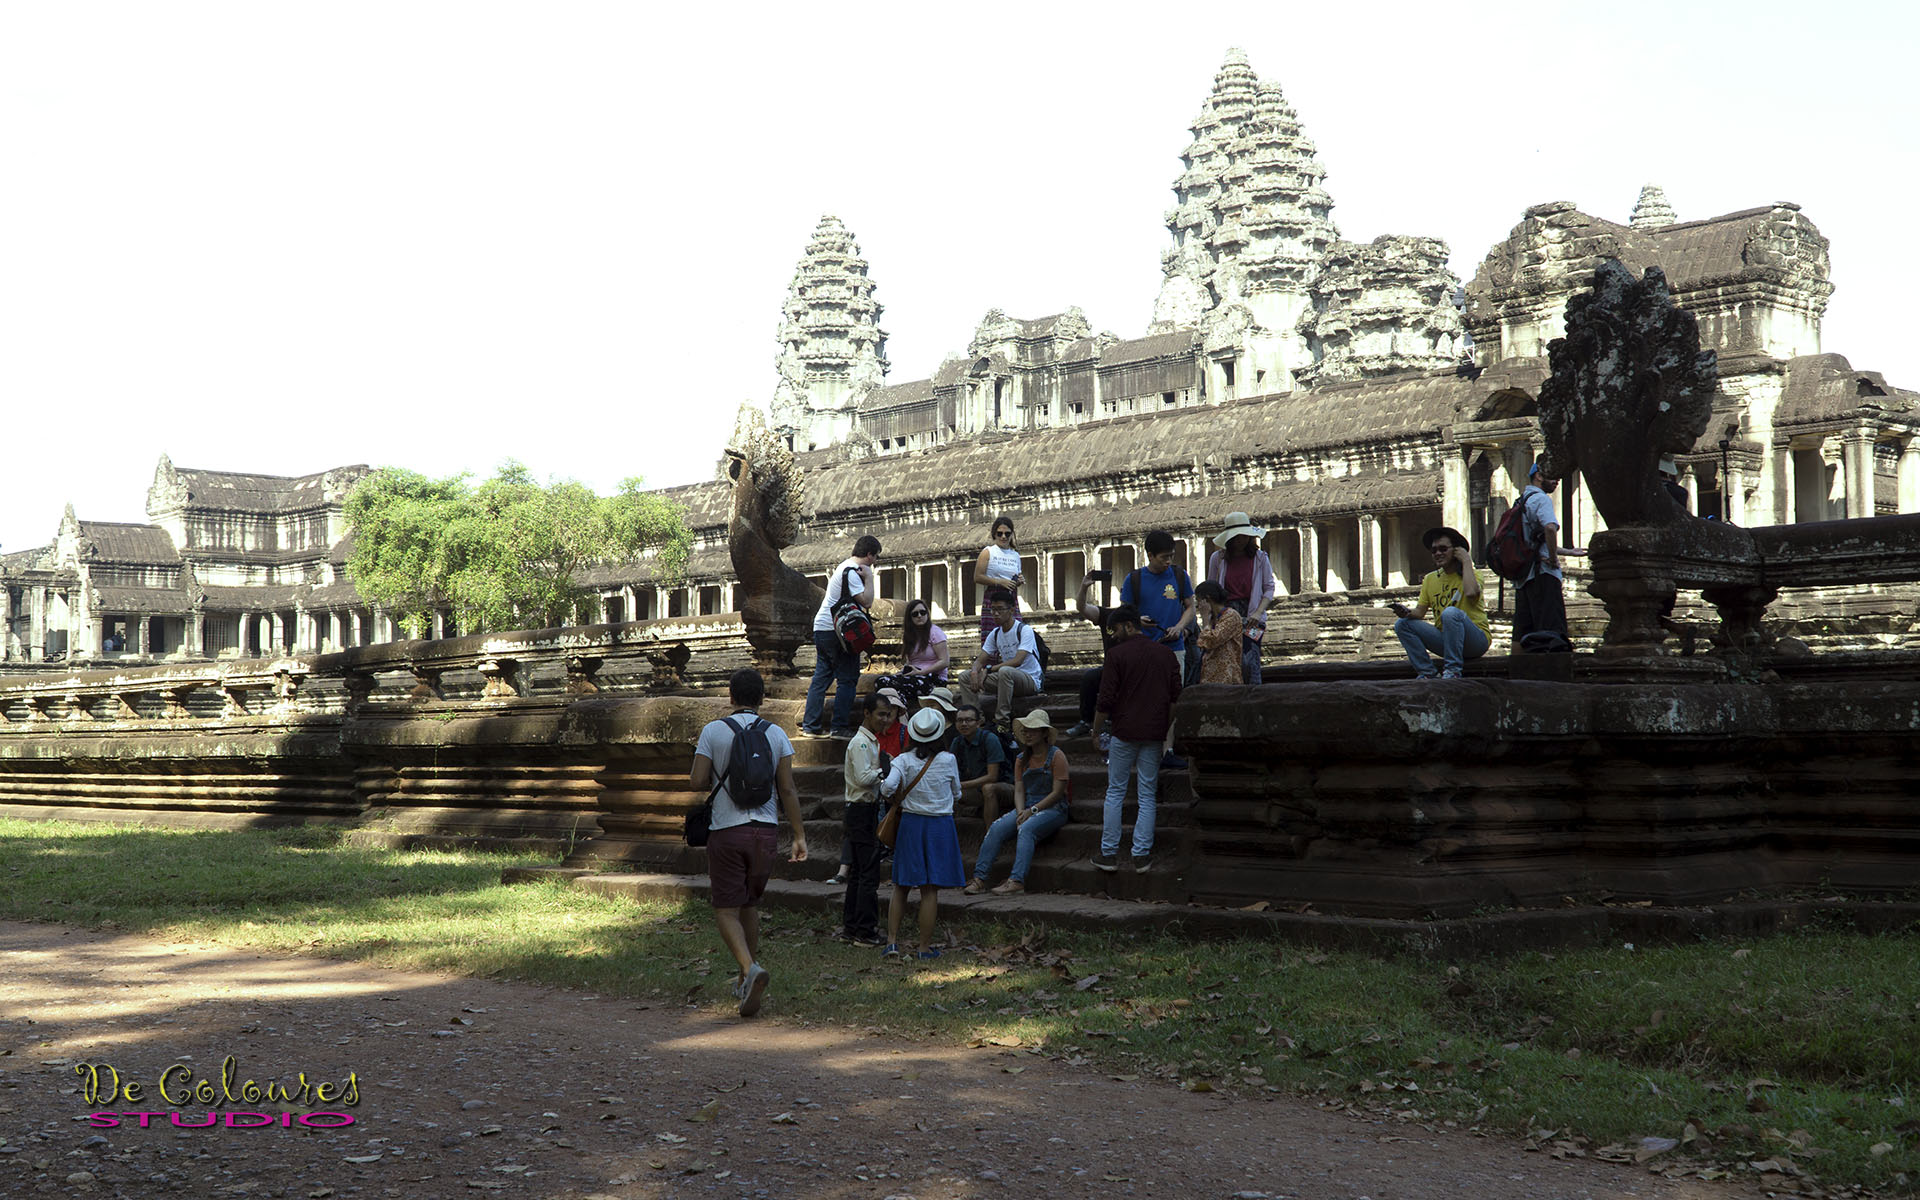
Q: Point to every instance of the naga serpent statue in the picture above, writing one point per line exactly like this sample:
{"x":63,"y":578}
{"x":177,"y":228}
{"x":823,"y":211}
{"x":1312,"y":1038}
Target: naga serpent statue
{"x":777,"y":603}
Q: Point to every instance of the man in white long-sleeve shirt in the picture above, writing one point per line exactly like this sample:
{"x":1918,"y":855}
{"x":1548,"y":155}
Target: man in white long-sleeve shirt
{"x":860,"y":911}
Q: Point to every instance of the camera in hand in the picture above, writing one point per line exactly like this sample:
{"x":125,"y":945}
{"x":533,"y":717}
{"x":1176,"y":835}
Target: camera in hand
{"x":1100,"y":576}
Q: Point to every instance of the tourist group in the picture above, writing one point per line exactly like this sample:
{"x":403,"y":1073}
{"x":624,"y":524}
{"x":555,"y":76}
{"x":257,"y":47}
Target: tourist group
{"x":929,"y":738}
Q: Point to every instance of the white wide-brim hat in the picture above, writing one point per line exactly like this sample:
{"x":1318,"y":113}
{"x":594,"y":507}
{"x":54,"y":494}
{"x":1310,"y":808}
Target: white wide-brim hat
{"x":1238,"y":524}
{"x":927,"y":725}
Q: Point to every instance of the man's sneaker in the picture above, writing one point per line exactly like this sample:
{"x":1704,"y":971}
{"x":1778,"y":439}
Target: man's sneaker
{"x":812,"y":733}
{"x":1142,"y":863}
{"x":753,"y":989}
{"x":1452,"y":673}
{"x":974,"y":887}
{"x":1106,"y":862}
{"x":1080,"y":730}
{"x":1172,"y":762}
{"x":843,"y":734}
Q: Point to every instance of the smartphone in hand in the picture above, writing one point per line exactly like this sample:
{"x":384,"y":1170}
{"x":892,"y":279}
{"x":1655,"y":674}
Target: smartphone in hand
{"x":1400,"y":610}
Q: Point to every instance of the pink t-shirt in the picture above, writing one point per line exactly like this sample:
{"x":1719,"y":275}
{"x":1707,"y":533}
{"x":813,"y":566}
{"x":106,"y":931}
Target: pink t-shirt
{"x":925,"y":659}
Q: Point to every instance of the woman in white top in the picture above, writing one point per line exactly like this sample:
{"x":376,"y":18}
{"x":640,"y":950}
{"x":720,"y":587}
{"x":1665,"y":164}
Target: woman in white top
{"x":997,"y":571}
{"x":924,"y":783}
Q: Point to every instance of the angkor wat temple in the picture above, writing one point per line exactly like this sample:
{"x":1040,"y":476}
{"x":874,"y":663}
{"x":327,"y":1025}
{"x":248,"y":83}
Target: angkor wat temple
{"x":1347,"y":395}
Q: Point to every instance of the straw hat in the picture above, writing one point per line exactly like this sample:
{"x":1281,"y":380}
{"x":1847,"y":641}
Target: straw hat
{"x":927,"y":725}
{"x":1038,"y":722}
{"x":1238,"y":524}
{"x":940,"y":698}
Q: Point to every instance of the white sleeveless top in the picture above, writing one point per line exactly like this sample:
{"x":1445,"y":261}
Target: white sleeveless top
{"x":1002,"y":562}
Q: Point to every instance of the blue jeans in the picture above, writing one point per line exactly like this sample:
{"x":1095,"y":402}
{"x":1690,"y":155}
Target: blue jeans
{"x":1457,"y":640}
{"x":1036,"y":829}
{"x":1124,"y":758}
{"x":831,"y":664}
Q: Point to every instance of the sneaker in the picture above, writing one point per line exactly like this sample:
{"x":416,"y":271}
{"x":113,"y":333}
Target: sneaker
{"x":1080,"y":730}
{"x":1012,"y":887}
{"x":892,"y":951}
{"x":753,"y":989}
{"x":1172,"y":762}
{"x":975,"y":887}
{"x":843,"y":734}
{"x":1106,"y":862}
{"x":867,"y":939}
{"x":1452,"y":673}
{"x":933,"y":953}
{"x":1142,"y":863}
{"x":839,"y":877}
{"x":812,"y":733}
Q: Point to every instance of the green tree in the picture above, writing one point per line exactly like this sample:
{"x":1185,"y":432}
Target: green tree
{"x":505,"y":554}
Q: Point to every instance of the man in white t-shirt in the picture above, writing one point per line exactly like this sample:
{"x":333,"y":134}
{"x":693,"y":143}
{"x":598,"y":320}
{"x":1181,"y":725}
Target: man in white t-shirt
{"x":1018,"y":673}
{"x":742,"y":841}
{"x":832,"y":664}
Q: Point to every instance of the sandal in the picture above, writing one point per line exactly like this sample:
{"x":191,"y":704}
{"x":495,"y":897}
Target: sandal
{"x":933,"y":953}
{"x":1012,"y":887}
{"x":892,"y":951}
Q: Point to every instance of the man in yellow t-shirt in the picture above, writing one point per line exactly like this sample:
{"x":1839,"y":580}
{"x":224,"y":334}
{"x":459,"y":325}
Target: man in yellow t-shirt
{"x":1452,"y":593}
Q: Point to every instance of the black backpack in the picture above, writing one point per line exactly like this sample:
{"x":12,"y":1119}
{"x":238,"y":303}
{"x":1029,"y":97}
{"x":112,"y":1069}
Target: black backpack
{"x":750,"y":767}
{"x":1041,"y":650}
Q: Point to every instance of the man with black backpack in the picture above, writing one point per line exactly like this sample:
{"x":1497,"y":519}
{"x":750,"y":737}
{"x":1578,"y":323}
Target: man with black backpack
{"x":1013,"y":646}
{"x":1540,"y":606}
{"x":756,"y":770}
{"x":850,"y":593}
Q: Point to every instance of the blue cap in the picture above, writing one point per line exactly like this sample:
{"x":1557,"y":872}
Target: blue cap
{"x":1533,"y":470}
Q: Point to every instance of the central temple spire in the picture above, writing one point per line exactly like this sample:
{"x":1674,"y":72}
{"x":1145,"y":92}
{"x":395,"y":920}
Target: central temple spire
{"x":1251,"y":226}
{"x":832,"y":349}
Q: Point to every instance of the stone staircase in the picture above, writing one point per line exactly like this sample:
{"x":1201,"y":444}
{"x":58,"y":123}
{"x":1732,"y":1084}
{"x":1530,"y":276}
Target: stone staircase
{"x":1064,"y":863}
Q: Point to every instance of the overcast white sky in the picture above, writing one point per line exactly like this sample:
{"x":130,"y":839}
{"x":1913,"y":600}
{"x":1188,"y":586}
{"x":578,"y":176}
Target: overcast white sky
{"x":278,"y":238}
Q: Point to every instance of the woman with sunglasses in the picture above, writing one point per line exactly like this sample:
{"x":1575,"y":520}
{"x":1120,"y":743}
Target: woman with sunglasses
{"x":925,"y":651}
{"x":997,"y":574}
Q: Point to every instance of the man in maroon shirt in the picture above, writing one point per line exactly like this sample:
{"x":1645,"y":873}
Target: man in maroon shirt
{"x":1140,"y":682}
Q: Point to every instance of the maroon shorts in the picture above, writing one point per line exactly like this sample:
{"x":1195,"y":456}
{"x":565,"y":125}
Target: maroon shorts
{"x":739,"y":863}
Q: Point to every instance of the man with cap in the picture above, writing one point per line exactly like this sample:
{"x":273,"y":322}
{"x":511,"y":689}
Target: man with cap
{"x":1539,"y":605}
{"x":1452,"y":593}
{"x":1244,"y":572}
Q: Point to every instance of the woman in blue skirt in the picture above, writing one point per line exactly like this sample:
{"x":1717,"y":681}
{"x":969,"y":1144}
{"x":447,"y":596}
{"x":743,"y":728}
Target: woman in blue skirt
{"x":925,"y":784}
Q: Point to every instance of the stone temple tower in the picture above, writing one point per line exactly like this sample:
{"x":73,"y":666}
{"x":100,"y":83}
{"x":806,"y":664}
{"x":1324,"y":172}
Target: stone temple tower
{"x":832,"y":349}
{"x":1252,"y":226}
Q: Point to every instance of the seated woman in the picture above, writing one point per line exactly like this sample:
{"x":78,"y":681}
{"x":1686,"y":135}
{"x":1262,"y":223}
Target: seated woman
{"x":1452,"y":592}
{"x":1039,"y":806}
{"x":924,"y":646}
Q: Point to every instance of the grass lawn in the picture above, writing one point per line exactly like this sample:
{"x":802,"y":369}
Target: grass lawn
{"x":1801,"y":1052}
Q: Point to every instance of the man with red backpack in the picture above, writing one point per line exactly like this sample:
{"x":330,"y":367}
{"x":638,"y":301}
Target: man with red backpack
{"x":850,"y":586}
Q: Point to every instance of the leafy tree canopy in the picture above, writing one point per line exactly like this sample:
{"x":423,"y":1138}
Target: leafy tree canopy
{"x":504,"y":554}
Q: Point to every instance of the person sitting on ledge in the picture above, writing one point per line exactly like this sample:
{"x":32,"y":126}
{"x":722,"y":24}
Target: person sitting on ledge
{"x":1453,"y":594}
{"x":1043,"y":779}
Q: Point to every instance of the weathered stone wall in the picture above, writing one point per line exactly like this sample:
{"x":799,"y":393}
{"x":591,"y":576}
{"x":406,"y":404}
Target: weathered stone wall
{"x":1405,"y":799}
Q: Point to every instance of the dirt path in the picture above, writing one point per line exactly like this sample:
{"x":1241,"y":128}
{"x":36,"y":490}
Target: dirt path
{"x":472,"y":1088}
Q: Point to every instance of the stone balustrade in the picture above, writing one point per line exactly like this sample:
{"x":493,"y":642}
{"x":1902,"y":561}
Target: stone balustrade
{"x":1741,"y":572}
{"x":665,"y":655}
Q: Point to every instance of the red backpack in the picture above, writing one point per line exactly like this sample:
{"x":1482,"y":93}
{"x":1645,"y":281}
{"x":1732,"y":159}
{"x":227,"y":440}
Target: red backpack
{"x":1510,"y":552}
{"x":851,"y":624}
